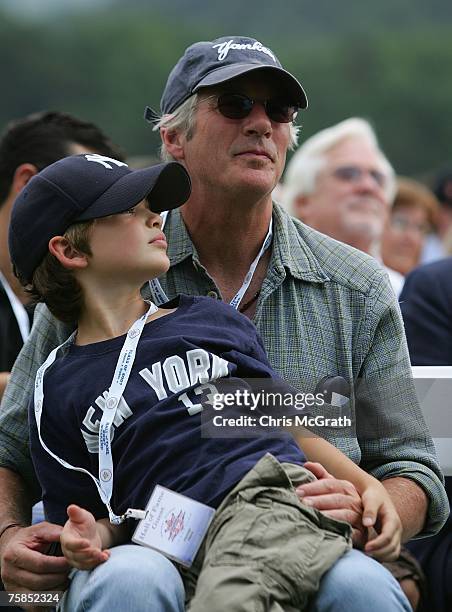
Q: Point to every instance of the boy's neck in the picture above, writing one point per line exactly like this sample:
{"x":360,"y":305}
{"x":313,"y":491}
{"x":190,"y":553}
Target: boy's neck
{"x":103,"y":318}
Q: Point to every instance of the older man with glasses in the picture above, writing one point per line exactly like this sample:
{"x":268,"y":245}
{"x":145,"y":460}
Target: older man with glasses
{"x":325,"y":312}
{"x":340,"y":183}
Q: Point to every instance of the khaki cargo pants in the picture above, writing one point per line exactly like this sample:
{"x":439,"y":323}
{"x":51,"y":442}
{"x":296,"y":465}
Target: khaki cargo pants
{"x":264,"y":550}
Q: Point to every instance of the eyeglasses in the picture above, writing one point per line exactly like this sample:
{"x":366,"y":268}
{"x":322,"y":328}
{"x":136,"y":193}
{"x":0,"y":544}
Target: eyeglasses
{"x":402,"y":224}
{"x":354,"y":174}
{"x":239,"y":106}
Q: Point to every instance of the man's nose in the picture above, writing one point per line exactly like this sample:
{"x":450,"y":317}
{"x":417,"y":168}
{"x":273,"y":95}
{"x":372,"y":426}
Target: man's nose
{"x":368,"y":183}
{"x":258,"y":122}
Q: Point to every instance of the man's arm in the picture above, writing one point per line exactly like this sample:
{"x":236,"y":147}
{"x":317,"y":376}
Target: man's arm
{"x":46,"y":333}
{"x":25,"y":566}
{"x":15,"y":504}
{"x":411,"y":503}
{"x":24,"y":562}
{"x":395,"y":444}
{"x":391,"y":430}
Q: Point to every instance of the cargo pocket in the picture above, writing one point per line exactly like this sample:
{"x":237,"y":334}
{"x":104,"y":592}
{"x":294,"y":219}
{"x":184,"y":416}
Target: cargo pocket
{"x":284,"y":542}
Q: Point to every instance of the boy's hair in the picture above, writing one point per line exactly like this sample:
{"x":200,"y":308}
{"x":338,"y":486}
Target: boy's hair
{"x":56,"y":285}
{"x":43,"y":138}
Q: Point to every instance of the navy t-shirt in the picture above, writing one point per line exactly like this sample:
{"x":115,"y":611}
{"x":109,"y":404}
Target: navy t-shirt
{"x":156,"y":439}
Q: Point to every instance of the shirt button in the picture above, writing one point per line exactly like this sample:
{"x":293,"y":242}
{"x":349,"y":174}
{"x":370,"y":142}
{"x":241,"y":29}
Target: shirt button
{"x":212,"y":294}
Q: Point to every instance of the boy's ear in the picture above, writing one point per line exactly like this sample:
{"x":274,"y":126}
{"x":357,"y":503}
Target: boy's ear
{"x":174,"y":143}
{"x":68,"y":256}
{"x":22,"y":174}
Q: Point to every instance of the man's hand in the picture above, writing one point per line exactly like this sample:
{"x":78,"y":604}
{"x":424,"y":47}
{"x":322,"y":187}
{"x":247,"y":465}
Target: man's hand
{"x":335,"y":498}
{"x":25,"y":566}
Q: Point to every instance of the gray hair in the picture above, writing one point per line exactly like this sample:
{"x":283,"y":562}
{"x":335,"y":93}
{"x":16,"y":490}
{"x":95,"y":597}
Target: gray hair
{"x":304,"y":167}
{"x":183,"y":120}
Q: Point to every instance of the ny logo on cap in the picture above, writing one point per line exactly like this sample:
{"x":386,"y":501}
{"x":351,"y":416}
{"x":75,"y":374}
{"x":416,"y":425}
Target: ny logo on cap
{"x":103,"y":159}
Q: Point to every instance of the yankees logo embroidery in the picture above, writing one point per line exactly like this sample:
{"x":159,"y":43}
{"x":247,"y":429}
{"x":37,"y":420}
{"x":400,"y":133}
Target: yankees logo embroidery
{"x":225,"y":47}
{"x":104,"y":160}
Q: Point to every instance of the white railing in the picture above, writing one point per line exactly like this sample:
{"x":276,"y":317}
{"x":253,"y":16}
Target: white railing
{"x":434,"y":388}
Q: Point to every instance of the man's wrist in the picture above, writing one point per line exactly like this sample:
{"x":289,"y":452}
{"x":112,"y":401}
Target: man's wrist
{"x":411,"y":503}
{"x":10,"y":526}
{"x":9,"y":530}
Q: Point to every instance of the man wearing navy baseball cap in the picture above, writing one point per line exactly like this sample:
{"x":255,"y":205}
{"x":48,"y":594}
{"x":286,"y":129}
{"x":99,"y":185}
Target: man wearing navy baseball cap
{"x":206,"y":64}
{"x":228,"y":115}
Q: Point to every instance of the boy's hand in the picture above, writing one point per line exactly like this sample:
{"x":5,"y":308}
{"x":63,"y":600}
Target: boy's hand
{"x":380,"y":514}
{"x":80,"y":540}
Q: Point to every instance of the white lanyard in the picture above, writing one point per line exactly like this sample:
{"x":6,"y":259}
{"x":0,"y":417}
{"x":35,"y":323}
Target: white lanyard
{"x":19,"y":311}
{"x":235,"y":302}
{"x":160,"y":295}
{"x":123,"y":368}
{"x":154,"y":285}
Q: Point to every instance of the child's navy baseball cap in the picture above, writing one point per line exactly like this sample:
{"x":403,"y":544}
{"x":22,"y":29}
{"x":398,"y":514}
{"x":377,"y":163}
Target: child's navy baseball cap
{"x":80,"y":188}
{"x":209,"y":63}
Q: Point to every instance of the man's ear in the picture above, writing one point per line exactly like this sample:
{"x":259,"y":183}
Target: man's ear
{"x":174,"y":142}
{"x":68,"y":256}
{"x":22,"y":175}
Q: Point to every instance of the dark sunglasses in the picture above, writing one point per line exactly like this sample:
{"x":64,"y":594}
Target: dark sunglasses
{"x":239,"y":106}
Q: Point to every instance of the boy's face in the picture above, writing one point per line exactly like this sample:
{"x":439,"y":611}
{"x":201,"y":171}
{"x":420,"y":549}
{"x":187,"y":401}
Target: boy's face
{"x":129,"y":247}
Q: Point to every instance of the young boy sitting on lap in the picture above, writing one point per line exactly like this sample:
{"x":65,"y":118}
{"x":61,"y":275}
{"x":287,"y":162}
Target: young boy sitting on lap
{"x":120,"y":399}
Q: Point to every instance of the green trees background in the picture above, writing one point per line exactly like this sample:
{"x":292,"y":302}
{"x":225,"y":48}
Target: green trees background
{"x":390,"y":62}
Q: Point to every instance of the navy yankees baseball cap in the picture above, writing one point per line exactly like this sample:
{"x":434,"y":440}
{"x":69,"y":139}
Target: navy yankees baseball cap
{"x":80,"y":188}
{"x":209,"y":63}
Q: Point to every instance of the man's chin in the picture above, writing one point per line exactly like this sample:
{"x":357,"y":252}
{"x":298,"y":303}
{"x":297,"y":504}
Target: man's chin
{"x":258,"y":181}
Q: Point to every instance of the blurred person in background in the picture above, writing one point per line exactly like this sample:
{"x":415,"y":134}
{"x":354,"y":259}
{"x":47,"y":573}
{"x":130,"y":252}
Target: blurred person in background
{"x":340,"y":183}
{"x":412,"y":217}
{"x":28,"y":145}
{"x":439,"y":243}
{"x":426,"y":304}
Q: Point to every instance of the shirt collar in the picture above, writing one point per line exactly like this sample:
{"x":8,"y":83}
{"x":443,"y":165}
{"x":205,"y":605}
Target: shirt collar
{"x":290,"y":251}
{"x":180,"y":245}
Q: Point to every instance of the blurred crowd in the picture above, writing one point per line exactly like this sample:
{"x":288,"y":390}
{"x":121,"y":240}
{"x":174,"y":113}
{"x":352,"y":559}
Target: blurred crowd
{"x":341,"y":183}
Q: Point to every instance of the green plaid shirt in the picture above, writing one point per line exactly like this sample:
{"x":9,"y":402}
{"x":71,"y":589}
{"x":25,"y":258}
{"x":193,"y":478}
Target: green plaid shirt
{"x":325,"y":309}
